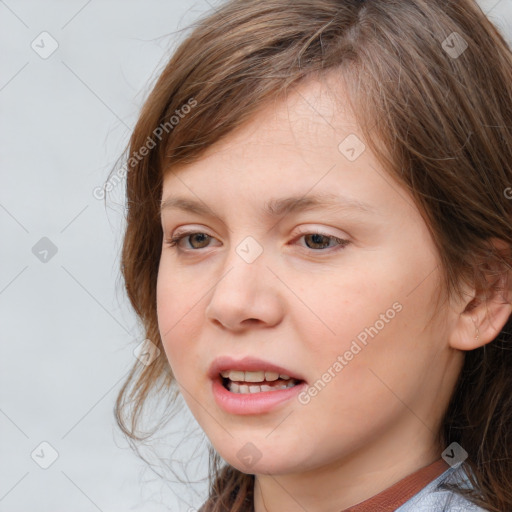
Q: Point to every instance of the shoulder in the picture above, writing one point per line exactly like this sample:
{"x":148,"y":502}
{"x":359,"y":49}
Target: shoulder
{"x":435,"y":497}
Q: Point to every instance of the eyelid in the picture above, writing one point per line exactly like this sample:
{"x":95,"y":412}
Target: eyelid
{"x":307,"y":230}
{"x":302,"y":230}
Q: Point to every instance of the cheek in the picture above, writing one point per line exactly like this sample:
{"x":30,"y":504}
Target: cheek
{"x":179,"y":320}
{"x":347,"y":305}
{"x":377,"y":318}
{"x":360,"y":372}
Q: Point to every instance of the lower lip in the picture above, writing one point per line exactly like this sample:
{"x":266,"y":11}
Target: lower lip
{"x":252,"y":403}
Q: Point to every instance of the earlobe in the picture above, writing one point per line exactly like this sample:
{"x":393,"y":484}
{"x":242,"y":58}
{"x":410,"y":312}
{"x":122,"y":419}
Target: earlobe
{"x":482,"y":321}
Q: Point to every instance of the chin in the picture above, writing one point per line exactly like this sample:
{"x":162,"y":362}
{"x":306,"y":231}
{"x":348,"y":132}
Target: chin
{"x":252,"y":461}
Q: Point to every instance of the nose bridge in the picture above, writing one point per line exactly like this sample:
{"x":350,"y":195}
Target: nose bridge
{"x":243,"y":267}
{"x":244,"y":290}
{"x":249,"y":250}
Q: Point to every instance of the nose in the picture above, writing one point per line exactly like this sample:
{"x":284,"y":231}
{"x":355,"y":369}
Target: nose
{"x":246,"y":295}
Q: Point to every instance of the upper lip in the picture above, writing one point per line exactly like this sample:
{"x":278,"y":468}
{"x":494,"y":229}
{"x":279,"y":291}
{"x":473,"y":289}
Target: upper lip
{"x":248,"y":364}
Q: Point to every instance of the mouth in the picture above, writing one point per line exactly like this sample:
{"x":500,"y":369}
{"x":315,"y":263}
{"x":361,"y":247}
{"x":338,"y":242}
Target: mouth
{"x":251,"y":382}
{"x":252,"y":385}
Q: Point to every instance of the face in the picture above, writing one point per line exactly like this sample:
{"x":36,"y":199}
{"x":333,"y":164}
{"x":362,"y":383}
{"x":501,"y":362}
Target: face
{"x":337,"y":295}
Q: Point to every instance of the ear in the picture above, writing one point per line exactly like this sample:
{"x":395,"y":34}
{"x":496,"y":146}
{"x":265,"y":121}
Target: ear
{"x":484,"y":309}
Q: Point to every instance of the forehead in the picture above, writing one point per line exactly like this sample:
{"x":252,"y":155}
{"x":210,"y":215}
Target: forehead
{"x":292,"y":147}
{"x":314,"y":114}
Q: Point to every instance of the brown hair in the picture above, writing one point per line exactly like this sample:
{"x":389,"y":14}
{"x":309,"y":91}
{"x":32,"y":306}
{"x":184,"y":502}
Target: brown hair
{"x":440,"y":121}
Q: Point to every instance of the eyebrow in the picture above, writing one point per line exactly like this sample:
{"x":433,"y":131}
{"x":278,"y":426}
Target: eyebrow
{"x":278,"y":207}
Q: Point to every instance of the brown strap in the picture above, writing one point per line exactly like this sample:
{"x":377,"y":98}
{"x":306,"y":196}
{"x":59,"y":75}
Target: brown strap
{"x":398,"y":494}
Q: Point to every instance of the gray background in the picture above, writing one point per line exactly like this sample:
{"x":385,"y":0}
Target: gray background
{"x":68,"y":333}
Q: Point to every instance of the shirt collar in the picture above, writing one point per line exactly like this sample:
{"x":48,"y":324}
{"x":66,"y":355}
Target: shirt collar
{"x":393,"y":497}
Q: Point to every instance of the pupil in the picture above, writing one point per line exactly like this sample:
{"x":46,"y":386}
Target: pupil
{"x":200,"y":235}
{"x":316,"y":237}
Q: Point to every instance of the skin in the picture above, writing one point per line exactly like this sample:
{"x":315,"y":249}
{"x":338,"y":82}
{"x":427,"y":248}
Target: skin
{"x":301,"y":306}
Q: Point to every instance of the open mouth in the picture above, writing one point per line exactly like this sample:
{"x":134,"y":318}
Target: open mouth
{"x":256,"y":382}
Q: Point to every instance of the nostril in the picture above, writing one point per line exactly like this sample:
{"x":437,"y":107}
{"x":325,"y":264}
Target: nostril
{"x":251,"y":321}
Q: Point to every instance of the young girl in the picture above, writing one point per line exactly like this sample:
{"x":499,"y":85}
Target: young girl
{"x":319,"y":233}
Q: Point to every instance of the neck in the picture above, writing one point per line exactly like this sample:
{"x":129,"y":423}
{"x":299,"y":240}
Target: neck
{"x":348,"y":480}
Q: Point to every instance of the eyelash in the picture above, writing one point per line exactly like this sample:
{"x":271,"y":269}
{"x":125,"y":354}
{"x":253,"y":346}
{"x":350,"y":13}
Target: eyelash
{"x":173,"y":241}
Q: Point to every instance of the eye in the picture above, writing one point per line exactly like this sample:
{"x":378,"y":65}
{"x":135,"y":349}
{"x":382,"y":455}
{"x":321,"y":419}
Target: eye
{"x":174,"y":241}
{"x":321,"y":240}
{"x":315,"y":241}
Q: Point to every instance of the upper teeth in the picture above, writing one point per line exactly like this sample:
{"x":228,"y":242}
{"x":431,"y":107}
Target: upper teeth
{"x":259,"y":376}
